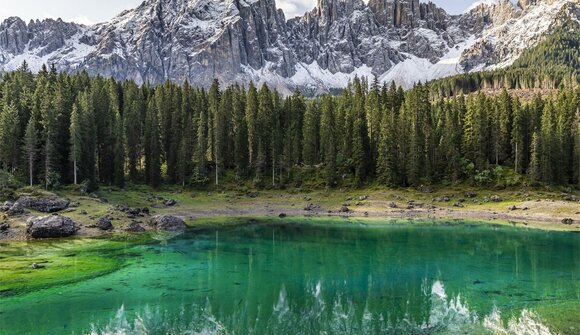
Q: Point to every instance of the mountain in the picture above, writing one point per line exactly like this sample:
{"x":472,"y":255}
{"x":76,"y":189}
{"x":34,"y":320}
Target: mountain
{"x":242,"y":40}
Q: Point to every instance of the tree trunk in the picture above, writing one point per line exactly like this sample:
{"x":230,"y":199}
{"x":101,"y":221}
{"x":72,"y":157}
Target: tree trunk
{"x":30,"y":169}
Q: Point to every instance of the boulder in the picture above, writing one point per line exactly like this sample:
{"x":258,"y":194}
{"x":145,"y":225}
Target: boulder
{"x":133,"y":211}
{"x":51,"y":226}
{"x":496,"y":198}
{"x":43,"y":204}
{"x":252,"y":194}
{"x":470,"y":195}
{"x":311,"y":207}
{"x":4,"y":227}
{"x":392,"y":205}
{"x":344,"y":209}
{"x":16,"y":209}
{"x":167,"y":222}
{"x":134,"y":227}
{"x":282,"y":215}
{"x":567,"y":221}
{"x":6,"y":206}
{"x":170,"y":203}
{"x":105,"y":223}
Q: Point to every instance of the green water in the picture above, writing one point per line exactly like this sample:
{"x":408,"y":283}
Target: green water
{"x":338,"y":277}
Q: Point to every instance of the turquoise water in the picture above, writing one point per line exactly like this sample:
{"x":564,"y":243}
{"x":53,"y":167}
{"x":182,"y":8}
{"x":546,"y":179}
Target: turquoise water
{"x":333,"y":278}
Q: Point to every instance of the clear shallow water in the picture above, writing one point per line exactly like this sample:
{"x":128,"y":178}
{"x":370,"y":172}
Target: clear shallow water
{"x":335,"y":278}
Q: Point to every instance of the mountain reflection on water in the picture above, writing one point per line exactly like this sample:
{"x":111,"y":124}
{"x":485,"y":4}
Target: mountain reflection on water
{"x":444,"y":315}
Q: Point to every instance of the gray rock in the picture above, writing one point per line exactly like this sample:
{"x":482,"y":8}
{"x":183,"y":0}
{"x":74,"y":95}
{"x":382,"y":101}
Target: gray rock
{"x":496,"y":198}
{"x":344,"y":209}
{"x":311,"y":207}
{"x":51,"y":226}
{"x":15,"y":210}
{"x":104,"y":223}
{"x":167,"y":222}
{"x":6,"y":206}
{"x":134,"y":227}
{"x":4,"y":227}
{"x":170,"y":203}
{"x":42,"y":204}
{"x":568,"y":221}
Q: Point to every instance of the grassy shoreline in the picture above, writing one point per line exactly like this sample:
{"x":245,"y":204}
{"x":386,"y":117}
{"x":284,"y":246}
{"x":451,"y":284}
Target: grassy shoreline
{"x":520,"y":208}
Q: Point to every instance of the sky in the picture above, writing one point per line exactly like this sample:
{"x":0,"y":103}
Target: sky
{"x":91,"y":11}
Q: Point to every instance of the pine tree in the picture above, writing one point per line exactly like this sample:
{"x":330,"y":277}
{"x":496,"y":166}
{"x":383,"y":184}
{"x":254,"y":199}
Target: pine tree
{"x":134,"y":106}
{"x":50,"y":131}
{"x":536,"y":153}
{"x":10,"y":137}
{"x":328,"y":139}
{"x":549,"y":158}
{"x":374,"y":118}
{"x":240,"y":133}
{"x":152,"y":146}
{"x":220,"y":126}
{"x":119,"y":152}
{"x":251,"y":117}
{"x":310,"y":135}
{"x":360,"y":140}
{"x":202,"y":133}
{"x":75,"y":141}
{"x":187,"y":144}
{"x":263,"y":133}
{"x":30,"y":148}
{"x":88,"y":159}
{"x":518,"y":137}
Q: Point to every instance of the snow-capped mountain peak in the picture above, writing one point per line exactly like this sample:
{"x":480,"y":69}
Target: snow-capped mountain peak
{"x":241,"y":40}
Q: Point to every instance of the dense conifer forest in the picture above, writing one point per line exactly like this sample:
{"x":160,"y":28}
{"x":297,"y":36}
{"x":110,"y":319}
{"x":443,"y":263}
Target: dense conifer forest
{"x":58,"y":129}
{"x":551,"y":64}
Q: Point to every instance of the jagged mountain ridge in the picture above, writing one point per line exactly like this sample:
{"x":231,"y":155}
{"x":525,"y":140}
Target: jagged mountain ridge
{"x":241,"y":40}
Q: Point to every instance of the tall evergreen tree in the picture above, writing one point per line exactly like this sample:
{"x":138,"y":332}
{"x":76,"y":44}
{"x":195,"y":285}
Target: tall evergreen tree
{"x":310,"y":130}
{"x":328,"y":139}
{"x":10,"y":137}
{"x":152,"y":146}
{"x":76,"y":141}
{"x":251,"y":119}
{"x":30,"y":148}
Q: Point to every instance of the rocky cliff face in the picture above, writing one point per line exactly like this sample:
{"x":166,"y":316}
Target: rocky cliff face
{"x":242,"y":40}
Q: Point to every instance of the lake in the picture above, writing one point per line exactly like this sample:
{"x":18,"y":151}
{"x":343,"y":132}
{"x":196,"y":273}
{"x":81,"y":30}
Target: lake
{"x":301,"y":276}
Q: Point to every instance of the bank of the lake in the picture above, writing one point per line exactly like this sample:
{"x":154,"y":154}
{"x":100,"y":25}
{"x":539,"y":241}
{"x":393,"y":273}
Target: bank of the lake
{"x":551,"y":210}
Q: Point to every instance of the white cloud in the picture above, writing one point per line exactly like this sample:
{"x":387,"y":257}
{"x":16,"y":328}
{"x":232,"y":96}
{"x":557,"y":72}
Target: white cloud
{"x":294,"y":8}
{"x":83,"y":19}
